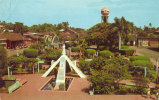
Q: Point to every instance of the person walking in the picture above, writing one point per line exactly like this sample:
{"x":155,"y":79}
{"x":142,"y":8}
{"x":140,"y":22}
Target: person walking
{"x":148,"y":92}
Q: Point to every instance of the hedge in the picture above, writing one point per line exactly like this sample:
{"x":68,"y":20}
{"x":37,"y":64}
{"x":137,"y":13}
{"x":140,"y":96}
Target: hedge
{"x":105,"y":53}
{"x":143,"y":63}
{"x":30,"y":53}
{"x":36,"y":46}
{"x":75,"y":49}
{"x":124,"y":47}
{"x":152,"y":75}
{"x":133,"y":58}
{"x":69,"y":44}
{"x":103,"y":48}
{"x":127,"y":52}
{"x":90,"y":51}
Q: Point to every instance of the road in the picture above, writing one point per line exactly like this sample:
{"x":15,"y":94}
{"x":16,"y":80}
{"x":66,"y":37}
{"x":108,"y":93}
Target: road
{"x":147,"y":52}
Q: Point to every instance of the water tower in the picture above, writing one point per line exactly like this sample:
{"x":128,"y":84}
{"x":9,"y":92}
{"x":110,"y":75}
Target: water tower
{"x":105,"y":13}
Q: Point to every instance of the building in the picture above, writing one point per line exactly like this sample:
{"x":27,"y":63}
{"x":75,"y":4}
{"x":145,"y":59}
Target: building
{"x":147,"y":42}
{"x":31,"y":38}
{"x":11,"y":40}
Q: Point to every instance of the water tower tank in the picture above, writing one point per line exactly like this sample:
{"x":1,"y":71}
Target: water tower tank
{"x":105,"y":11}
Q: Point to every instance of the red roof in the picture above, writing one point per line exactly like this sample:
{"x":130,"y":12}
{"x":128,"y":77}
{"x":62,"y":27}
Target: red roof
{"x":11,"y":36}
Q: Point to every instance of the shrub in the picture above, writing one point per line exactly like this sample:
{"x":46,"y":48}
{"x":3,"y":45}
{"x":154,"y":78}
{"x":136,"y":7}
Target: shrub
{"x":75,"y":49}
{"x":69,"y":44}
{"x":90,"y":51}
{"x":3,"y":61}
{"x":30,"y":53}
{"x":127,"y":52}
{"x":1,"y":83}
{"x":51,"y":54}
{"x":133,"y":58}
{"x":105,"y":53}
{"x":152,"y":75}
{"x":143,"y":63}
{"x":84,"y":66}
{"x":103,"y":48}
{"x":36,"y":46}
{"x":124,"y":47}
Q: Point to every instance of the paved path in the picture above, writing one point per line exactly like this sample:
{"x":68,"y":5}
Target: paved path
{"x":13,"y":52}
{"x":78,"y":90}
{"x":148,"y":52}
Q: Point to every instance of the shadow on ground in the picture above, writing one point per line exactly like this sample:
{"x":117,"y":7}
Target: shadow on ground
{"x":86,"y":90}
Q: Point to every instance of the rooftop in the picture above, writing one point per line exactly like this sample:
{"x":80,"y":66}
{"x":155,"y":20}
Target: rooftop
{"x":11,"y":36}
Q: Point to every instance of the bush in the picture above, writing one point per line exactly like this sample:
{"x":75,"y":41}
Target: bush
{"x":51,"y":54}
{"x":90,"y":51}
{"x":69,"y":44}
{"x":3,"y":61}
{"x":75,"y":49}
{"x":127,"y":52}
{"x":30,"y":53}
{"x":84,"y":66}
{"x":152,"y":75}
{"x":1,"y":82}
{"x":103,"y":48}
{"x":143,"y":63}
{"x":105,"y":53}
{"x":124,"y":47}
{"x":133,"y":58}
{"x":36,"y":46}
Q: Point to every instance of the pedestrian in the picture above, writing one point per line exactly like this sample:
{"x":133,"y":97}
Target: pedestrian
{"x":148,"y":92}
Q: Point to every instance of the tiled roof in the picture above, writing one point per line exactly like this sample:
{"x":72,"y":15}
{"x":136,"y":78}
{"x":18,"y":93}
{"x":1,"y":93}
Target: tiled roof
{"x":66,"y":36}
{"x":11,"y":36}
{"x":34,"y":37}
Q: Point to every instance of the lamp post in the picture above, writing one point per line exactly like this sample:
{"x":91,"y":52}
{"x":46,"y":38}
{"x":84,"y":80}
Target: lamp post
{"x":9,"y":73}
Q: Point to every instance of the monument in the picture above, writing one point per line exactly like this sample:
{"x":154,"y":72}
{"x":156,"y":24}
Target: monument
{"x":60,"y":79}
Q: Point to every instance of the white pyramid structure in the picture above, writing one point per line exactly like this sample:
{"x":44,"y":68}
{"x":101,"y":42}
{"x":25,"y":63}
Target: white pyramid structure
{"x":62,"y":68}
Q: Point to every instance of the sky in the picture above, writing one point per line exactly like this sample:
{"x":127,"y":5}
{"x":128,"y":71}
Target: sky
{"x":79,"y":13}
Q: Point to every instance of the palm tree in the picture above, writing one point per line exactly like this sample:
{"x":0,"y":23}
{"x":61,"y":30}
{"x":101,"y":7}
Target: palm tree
{"x":122,"y":28}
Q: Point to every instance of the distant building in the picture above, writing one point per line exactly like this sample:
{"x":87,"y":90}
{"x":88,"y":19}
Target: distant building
{"x":31,"y":38}
{"x":72,"y":34}
{"x":147,"y":42}
{"x":11,"y":40}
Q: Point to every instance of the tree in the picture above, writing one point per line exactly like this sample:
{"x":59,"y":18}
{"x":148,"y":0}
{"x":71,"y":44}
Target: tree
{"x":106,"y":74}
{"x":30,"y":53}
{"x":102,"y":82}
{"x":20,"y":28}
{"x":99,"y":35}
{"x":51,"y":54}
{"x":3,"y":61}
{"x":122,"y":28}
{"x":65,"y":25}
